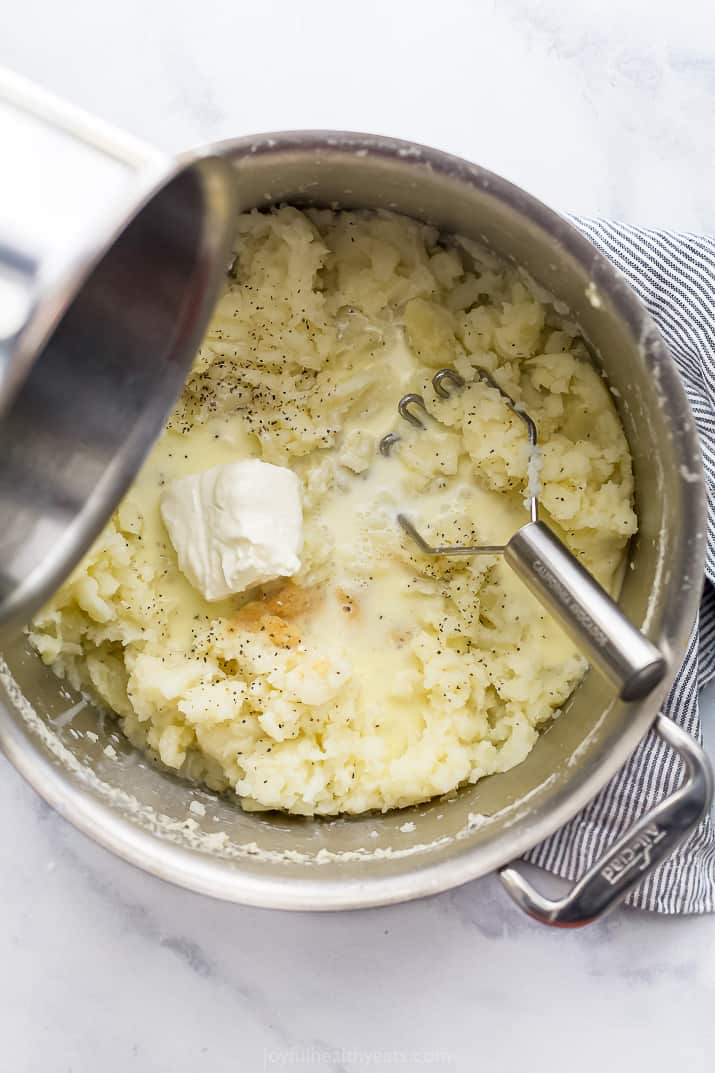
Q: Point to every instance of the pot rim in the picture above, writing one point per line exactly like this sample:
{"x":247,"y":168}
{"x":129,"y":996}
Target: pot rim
{"x":220,"y":878}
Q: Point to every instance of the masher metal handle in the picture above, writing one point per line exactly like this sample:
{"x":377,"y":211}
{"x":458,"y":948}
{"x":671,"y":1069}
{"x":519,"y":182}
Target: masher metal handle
{"x":587,"y":613}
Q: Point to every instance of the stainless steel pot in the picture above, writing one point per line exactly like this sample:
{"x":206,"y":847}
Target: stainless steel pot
{"x":143,"y":814}
{"x":111,"y":257}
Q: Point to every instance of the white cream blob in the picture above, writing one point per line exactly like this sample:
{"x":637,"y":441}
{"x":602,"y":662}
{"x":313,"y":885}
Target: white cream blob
{"x":235,"y":526}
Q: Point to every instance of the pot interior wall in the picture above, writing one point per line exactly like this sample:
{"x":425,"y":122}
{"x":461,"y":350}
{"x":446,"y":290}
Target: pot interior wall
{"x":594,"y":734}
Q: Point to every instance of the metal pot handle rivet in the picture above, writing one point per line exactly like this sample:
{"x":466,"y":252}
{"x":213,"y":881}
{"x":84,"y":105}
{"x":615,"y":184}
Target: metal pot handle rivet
{"x":636,"y":854}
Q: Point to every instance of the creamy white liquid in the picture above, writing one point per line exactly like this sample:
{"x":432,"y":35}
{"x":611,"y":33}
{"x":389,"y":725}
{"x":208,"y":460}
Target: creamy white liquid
{"x":367,"y":618}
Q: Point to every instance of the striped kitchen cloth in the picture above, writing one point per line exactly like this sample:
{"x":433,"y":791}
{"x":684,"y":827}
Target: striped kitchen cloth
{"x":674,"y":274}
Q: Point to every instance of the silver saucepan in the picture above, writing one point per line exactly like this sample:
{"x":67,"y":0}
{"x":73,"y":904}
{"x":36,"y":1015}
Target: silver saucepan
{"x":142,"y":813}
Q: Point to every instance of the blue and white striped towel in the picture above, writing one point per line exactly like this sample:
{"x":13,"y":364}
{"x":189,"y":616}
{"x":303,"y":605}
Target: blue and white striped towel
{"x":674,"y":274}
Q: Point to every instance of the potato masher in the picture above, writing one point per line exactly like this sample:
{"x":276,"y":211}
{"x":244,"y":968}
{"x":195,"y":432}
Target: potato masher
{"x":553,"y":574}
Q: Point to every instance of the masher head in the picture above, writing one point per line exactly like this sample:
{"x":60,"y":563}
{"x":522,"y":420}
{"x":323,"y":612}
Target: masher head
{"x":444,"y":382}
{"x":548,"y":568}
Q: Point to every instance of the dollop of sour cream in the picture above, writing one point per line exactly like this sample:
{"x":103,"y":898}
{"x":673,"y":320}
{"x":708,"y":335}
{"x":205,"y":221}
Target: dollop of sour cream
{"x":235,"y":526}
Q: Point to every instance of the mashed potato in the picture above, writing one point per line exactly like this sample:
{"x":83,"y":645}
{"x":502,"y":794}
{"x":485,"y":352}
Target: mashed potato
{"x":376,"y":678}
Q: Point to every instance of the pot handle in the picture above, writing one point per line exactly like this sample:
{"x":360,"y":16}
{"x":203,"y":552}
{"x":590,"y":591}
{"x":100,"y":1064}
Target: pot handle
{"x":638,"y":852}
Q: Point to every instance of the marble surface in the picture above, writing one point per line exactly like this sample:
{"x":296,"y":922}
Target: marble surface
{"x":597,"y":107}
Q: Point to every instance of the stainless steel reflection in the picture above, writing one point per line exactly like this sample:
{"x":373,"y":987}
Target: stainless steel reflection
{"x":294,"y":863}
{"x":110,"y":260}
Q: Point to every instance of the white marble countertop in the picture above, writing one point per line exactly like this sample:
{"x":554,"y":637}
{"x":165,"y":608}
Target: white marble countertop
{"x":598,"y":108}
